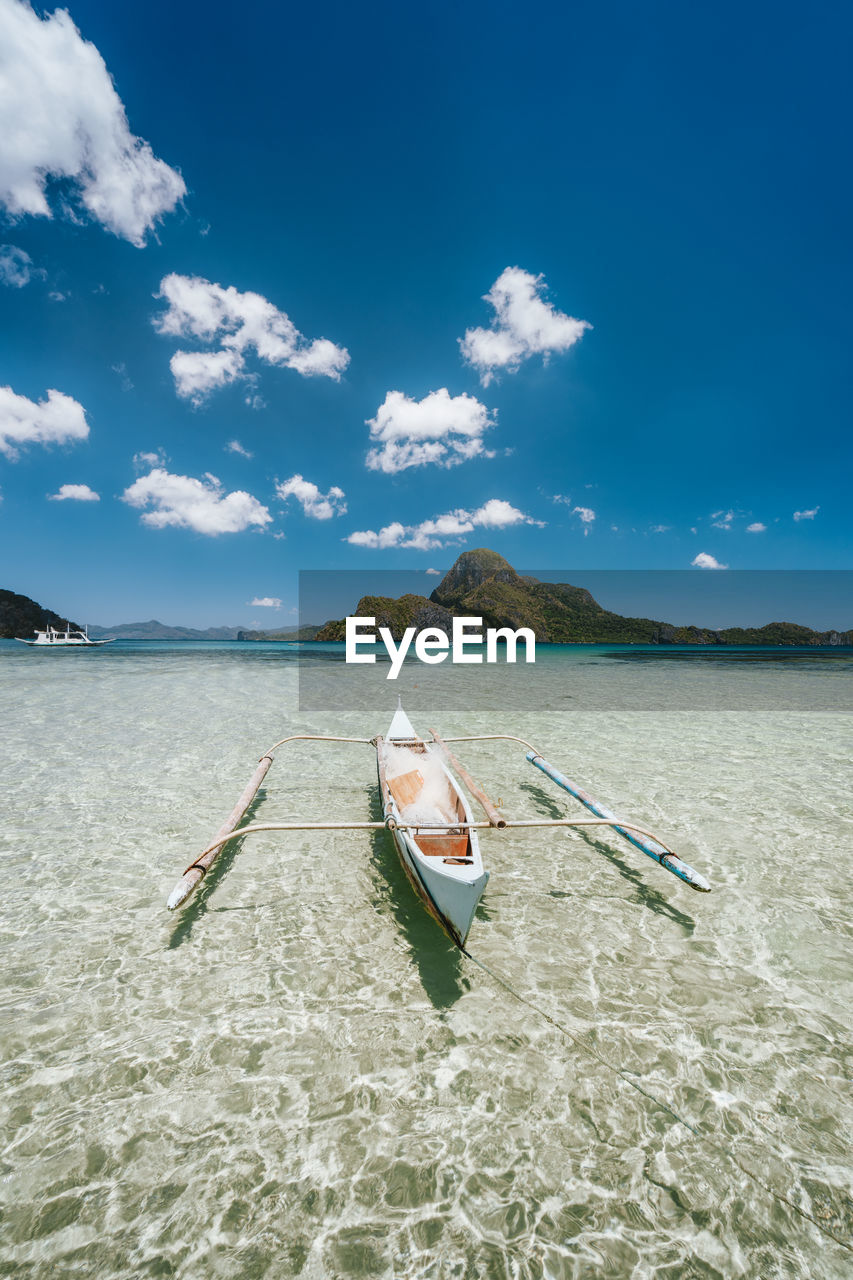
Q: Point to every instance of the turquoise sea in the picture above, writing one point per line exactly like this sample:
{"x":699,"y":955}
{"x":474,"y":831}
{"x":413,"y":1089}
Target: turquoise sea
{"x":298,"y":1075}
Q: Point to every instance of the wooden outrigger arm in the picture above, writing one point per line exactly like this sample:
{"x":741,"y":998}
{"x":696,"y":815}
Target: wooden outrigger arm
{"x":495,"y":819}
{"x":390,"y":824}
{"x":197,"y":870}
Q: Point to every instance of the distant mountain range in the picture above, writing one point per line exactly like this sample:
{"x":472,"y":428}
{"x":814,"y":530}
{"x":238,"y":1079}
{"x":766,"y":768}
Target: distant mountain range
{"x":21,"y":616}
{"x":155,"y":630}
{"x":482,"y":584}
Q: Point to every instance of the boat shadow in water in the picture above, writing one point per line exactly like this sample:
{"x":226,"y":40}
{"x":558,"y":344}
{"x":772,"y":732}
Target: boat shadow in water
{"x":438,"y":960}
{"x":197,"y":906}
{"x":646,"y":895}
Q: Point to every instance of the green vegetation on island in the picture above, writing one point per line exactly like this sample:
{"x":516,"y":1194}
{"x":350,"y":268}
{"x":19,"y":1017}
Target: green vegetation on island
{"x":482,"y":584}
{"x":21,"y":616}
{"x":286,"y":633}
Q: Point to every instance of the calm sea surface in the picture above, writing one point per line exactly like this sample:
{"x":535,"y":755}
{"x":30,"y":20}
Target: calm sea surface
{"x":298,"y":1075}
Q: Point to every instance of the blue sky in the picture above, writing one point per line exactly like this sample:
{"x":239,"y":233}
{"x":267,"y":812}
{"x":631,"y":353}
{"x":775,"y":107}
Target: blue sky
{"x":656,"y":198}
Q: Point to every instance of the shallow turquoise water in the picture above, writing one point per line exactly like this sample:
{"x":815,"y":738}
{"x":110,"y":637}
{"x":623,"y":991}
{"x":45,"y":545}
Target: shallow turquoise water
{"x":298,"y":1075}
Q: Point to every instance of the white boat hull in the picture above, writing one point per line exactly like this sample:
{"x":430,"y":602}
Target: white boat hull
{"x":449,"y":887}
{"x":64,"y":644}
{"x":453,"y":903}
{"x":50,"y":638}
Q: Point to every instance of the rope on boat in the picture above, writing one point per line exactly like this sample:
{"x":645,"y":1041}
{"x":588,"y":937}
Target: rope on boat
{"x":708,"y":1139}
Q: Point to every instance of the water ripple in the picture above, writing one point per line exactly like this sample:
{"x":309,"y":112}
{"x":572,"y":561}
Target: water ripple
{"x":300,"y":1076}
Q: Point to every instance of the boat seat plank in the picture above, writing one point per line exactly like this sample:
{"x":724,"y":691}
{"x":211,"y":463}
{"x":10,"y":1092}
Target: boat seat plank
{"x":406,"y":787}
{"x":443,"y":845}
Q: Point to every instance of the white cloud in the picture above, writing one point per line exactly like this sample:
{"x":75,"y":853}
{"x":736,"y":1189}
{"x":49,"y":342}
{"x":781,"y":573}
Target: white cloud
{"x":16,"y":266}
{"x":758,"y":527}
{"x":806,"y":515}
{"x":433,"y":573}
{"x":201,"y":505}
{"x":429,"y":534}
{"x":586,"y":515}
{"x":234,"y":446}
{"x":498,"y":514}
{"x":704,"y":561}
{"x":524,"y":325}
{"x":158,"y":458}
{"x":440,"y":429}
{"x":422,"y":537}
{"x":265,"y":602}
{"x":722,"y":519}
{"x":391,"y":536}
{"x":75,"y":492}
{"x":120,"y":370}
{"x":661,"y":528}
{"x":320,"y":506}
{"x":55,"y":420}
{"x":197,"y":373}
{"x":62,"y":119}
{"x":235,"y":324}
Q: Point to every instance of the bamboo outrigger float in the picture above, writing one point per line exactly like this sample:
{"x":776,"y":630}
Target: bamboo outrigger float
{"x":431,"y":822}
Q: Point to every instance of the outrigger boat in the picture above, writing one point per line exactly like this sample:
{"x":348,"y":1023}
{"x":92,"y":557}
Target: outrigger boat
{"x":67,"y":639}
{"x":432,"y":825}
{"x":430,"y":819}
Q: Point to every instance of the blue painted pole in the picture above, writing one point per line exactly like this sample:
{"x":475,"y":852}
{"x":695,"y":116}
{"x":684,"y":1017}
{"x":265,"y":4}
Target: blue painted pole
{"x":650,"y":847}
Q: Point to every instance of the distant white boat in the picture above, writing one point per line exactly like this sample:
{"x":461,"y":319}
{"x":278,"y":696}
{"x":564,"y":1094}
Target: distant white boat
{"x":67,"y":639}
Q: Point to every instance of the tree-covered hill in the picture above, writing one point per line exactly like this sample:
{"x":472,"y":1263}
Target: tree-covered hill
{"x":482,"y":584}
{"x":21,"y":616}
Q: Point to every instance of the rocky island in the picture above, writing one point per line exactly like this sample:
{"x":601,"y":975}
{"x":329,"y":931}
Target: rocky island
{"x":482,"y":584}
{"x":21,"y":616}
